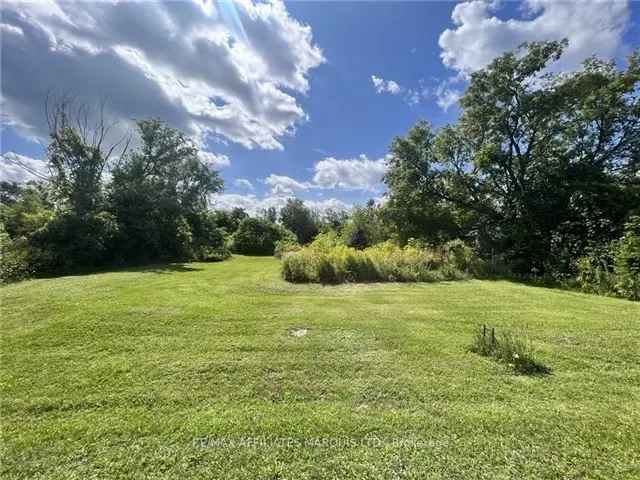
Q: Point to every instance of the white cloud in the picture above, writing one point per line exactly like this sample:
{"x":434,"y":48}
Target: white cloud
{"x":283,"y":185}
{"x":21,"y":169}
{"x":592,"y":27}
{"x":255,"y":205}
{"x":214,"y":161}
{"x":331,"y":173}
{"x":446,"y":97}
{"x":328,"y":204}
{"x":243,"y":183}
{"x":355,"y":174}
{"x":386,"y":86}
{"x":220,"y":71}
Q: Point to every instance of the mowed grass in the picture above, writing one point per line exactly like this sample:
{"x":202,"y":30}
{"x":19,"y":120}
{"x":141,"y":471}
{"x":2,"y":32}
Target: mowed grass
{"x":191,"y":371}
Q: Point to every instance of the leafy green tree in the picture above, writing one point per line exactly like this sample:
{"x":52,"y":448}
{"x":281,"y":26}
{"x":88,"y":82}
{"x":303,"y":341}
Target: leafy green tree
{"x":333,"y":219}
{"x":230,"y":220}
{"x":28,"y":210}
{"x":158,"y":194}
{"x":627,"y":261}
{"x":365,"y":227}
{"x":9,"y":192}
{"x":539,"y":167}
{"x":412,"y":208}
{"x":258,"y":236}
{"x":271,"y":214}
{"x":78,"y":155}
{"x":296,"y":217}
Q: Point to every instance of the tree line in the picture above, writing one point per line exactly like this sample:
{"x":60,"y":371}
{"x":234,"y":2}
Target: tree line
{"x":540,"y":176}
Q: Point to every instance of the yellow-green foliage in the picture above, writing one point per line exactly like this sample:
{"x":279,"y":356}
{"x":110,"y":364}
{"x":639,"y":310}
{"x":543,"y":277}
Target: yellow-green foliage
{"x":328,"y":260}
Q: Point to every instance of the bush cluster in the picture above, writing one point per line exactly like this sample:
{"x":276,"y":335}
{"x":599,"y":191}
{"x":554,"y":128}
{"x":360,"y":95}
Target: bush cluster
{"x":614,"y":269}
{"x":508,"y":348}
{"x":259,"y":236}
{"x":327,"y":260}
{"x":153,"y":207}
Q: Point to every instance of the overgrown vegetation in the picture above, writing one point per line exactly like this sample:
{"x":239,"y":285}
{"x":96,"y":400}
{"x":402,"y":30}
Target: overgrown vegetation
{"x":152,"y":207}
{"x":540,"y":170}
{"x":329,"y":260}
{"x":539,"y":179}
{"x":616,"y":267}
{"x":509,"y":348}
{"x":258,"y":236}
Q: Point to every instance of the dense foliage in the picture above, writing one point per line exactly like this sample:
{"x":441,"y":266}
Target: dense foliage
{"x":615,"y":267}
{"x":541,"y":168}
{"x":153,"y":207}
{"x":538,"y":179}
{"x":258,"y":236}
{"x":328,"y":260}
{"x":299,"y":219}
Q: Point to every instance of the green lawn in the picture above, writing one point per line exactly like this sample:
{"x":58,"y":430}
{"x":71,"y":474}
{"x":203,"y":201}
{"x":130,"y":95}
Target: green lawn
{"x":193,"y":372}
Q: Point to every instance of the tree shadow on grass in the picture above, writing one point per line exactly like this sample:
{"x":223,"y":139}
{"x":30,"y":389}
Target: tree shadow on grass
{"x":161,"y":268}
{"x":557,"y":287}
{"x":158,"y":268}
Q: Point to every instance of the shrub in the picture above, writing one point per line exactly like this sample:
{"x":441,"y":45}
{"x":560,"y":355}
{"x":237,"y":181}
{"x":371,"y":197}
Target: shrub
{"x":327,"y":260}
{"x":459,"y":255}
{"x":615,"y":268}
{"x":258,"y":236}
{"x":208,"y":240}
{"x":627,"y":261}
{"x":213,"y":254}
{"x":286,"y":244}
{"x":595,"y":271}
{"x":293,"y":269}
{"x":14,"y":258}
{"x":326,"y":271}
{"x":68,"y":242}
{"x":326,"y":241}
{"x":510,"y":349}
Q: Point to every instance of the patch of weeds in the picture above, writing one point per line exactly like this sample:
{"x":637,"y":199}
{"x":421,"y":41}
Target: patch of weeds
{"x":508,"y":348}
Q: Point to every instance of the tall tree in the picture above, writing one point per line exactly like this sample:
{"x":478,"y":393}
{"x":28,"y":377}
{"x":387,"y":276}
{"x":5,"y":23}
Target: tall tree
{"x":540,"y":165}
{"x":78,"y":154}
{"x":158,"y":191}
{"x":412,"y":208}
{"x":299,"y":219}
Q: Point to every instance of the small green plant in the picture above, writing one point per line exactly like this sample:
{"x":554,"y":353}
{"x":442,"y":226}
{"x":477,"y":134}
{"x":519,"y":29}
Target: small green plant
{"x":508,"y":348}
{"x":484,"y":342}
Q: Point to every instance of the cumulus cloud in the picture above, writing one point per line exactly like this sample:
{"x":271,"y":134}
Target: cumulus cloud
{"x":353,"y":174}
{"x":255,"y":205}
{"x":21,"y":169}
{"x":592,"y":27}
{"x":220,"y":71}
{"x":331,"y":173}
{"x":243,"y":183}
{"x":214,"y":161}
{"x":386,"y":86}
{"x":283,"y":185}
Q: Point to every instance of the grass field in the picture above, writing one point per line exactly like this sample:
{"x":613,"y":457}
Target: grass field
{"x":194,"y":371}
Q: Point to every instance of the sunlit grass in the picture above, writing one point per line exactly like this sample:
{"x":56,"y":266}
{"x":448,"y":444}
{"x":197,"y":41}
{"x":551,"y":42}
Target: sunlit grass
{"x":194,"y":372}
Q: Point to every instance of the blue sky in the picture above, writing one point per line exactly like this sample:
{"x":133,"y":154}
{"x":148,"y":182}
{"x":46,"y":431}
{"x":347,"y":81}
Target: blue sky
{"x":299,"y":99}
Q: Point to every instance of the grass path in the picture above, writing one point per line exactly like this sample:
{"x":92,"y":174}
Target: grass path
{"x":114,"y":375}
